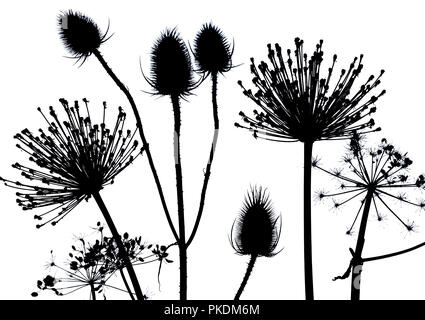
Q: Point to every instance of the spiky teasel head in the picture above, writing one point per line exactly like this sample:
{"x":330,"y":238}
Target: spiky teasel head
{"x":171,"y":67}
{"x":212,"y":51}
{"x":257,"y":229}
{"x":72,"y":160}
{"x":80,"y":34}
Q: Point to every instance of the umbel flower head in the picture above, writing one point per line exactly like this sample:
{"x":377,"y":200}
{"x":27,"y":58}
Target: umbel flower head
{"x":80,"y":34}
{"x":72,"y":160}
{"x":257,"y":229}
{"x":171,"y":67}
{"x":299,"y":104}
{"x":212,"y":50}
{"x":381,"y":172}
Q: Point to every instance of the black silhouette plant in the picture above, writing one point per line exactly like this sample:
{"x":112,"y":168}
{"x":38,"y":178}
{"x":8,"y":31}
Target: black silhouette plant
{"x":256,"y":232}
{"x":76,"y":159}
{"x":374,"y":177}
{"x":73,"y":35}
{"x":299,"y":105}
{"x":172,"y":75}
{"x":93,"y":265}
{"x":213,"y":55}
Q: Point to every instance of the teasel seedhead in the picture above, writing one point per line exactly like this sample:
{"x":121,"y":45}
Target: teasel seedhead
{"x":257,"y":229}
{"x":72,"y":160}
{"x":212,"y":50}
{"x":80,"y":34}
{"x":171,"y":67}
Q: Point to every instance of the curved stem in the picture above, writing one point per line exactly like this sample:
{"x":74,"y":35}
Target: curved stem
{"x":121,"y":249}
{"x":397,"y":253}
{"x":357,"y":263}
{"x":180,"y":205}
{"x":246,"y":277}
{"x":124,"y":279}
{"x":308,"y":261}
{"x":124,"y":89}
{"x":210,"y":160}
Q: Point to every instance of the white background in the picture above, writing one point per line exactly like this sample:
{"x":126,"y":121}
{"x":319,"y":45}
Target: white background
{"x":34,"y":72}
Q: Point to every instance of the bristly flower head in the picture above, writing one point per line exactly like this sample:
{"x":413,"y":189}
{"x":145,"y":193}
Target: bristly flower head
{"x":75,"y":159}
{"x":171,"y":67}
{"x":80,"y":34}
{"x":299,"y":105}
{"x":382,"y":171}
{"x":212,"y":50}
{"x":257,"y":229}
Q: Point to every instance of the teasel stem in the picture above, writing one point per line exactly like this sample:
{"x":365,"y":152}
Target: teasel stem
{"x":357,"y":262}
{"x":180,"y":204}
{"x":210,"y":160}
{"x":121,"y":248}
{"x":126,"y":92}
{"x":308,"y":260}
{"x":124,"y":279}
{"x":246,"y":277}
{"x":92,"y":291}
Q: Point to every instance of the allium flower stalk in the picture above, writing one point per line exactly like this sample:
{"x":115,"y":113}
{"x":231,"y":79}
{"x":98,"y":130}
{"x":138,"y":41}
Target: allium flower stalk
{"x":213,"y":55}
{"x":256,"y":232}
{"x":92,"y":265}
{"x":172,"y":75}
{"x":73,"y":161}
{"x":377,"y":177}
{"x":299,"y":104}
{"x":73,"y":30}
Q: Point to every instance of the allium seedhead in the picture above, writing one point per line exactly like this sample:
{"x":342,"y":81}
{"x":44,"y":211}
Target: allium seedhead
{"x":299,"y":104}
{"x":212,"y":51}
{"x":72,"y":160}
{"x":171,"y":67}
{"x":257,"y":229}
{"x":80,"y":34}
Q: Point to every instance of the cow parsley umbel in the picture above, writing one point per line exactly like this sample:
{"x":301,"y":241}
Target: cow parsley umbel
{"x":297,"y":103}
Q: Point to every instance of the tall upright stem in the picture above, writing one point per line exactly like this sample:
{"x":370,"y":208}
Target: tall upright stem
{"x":357,"y":259}
{"x":180,"y":205}
{"x":308,"y":260}
{"x":246,"y":277}
{"x":92,"y":291}
{"x":126,"y":92}
{"x":210,"y":159}
{"x":124,"y":279}
{"x":121,"y":249}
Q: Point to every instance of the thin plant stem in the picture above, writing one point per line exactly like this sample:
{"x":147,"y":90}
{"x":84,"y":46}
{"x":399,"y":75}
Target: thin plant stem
{"x":126,"y":92}
{"x":357,"y":262}
{"x":246,"y":277}
{"x":393,"y":254}
{"x":308,"y":261}
{"x":92,"y":291}
{"x":180,"y":204}
{"x":124,"y":279}
{"x":210,"y":159}
{"x":121,"y":249}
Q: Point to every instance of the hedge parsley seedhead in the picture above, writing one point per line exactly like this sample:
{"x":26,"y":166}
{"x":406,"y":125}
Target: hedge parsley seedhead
{"x":73,"y":160}
{"x":382,"y":172}
{"x":298,"y":104}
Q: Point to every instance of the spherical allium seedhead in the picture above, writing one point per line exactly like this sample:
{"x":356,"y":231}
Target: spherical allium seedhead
{"x":80,"y":34}
{"x":257,"y":229}
{"x":299,"y":103}
{"x":73,"y":160}
{"x":171,"y":67}
{"x":212,"y":51}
